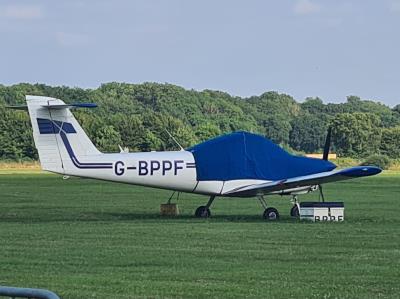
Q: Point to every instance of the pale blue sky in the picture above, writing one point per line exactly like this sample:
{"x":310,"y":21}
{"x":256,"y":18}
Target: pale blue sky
{"x":329,"y":49}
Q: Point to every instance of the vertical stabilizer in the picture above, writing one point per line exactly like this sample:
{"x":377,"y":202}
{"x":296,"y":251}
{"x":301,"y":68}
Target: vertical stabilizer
{"x":59,"y":139}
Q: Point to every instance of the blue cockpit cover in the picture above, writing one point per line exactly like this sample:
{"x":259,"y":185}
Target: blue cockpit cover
{"x":243,"y":155}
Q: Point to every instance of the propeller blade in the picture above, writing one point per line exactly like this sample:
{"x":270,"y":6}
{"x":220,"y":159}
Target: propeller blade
{"x":327,"y":144}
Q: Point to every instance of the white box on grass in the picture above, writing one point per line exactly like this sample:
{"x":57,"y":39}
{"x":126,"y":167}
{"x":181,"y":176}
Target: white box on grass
{"x":322,"y":211}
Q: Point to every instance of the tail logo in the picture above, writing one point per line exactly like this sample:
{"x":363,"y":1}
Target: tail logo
{"x":47,"y":126}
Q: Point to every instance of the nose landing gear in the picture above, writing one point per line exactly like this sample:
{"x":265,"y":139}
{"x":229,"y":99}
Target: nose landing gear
{"x":294,"y":211}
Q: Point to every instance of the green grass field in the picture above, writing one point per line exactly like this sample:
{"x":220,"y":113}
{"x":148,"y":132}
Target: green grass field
{"x":88,"y":239}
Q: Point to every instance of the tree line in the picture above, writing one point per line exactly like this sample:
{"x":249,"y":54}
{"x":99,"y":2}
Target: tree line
{"x":138,"y":116}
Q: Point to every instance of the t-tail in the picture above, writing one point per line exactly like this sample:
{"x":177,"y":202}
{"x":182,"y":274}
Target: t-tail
{"x":62,"y":144}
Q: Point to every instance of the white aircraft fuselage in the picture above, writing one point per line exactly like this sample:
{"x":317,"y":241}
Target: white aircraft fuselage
{"x":174,"y":170}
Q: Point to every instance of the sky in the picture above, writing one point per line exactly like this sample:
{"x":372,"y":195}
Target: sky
{"x":304,"y":48}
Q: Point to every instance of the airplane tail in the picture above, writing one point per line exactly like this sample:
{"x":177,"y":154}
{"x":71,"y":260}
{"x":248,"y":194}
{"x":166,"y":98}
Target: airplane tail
{"x":61,"y":142}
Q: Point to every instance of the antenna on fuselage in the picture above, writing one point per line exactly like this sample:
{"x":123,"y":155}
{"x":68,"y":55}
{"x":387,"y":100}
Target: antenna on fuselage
{"x":123,"y":149}
{"x":173,"y":138}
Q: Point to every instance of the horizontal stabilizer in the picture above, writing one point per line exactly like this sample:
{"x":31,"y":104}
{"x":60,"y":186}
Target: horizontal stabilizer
{"x":57,"y":106}
{"x":307,"y":180}
{"x":18,"y":107}
{"x":71,"y":106}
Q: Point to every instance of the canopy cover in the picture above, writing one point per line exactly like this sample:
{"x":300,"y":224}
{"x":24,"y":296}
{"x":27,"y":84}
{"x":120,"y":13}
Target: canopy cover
{"x":243,"y":155}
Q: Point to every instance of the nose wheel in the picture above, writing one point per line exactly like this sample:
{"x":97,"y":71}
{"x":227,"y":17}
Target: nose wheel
{"x":294,"y":211}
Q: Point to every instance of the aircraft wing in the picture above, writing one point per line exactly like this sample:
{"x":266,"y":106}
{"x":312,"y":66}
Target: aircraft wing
{"x":301,"y":181}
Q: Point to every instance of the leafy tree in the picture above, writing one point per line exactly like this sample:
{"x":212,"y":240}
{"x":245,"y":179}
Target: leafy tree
{"x":16,"y":140}
{"x":138,"y":115}
{"x":277,"y":128}
{"x":273,"y":112}
{"x":108,"y":139}
{"x":355,"y":104}
{"x":356,"y":134}
{"x":309,"y":132}
{"x":206,"y":131}
{"x":313,"y":105}
{"x":390,"y":142}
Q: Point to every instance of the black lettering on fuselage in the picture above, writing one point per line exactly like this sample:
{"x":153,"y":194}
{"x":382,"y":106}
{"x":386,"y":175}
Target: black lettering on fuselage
{"x":177,"y":166}
{"x":143,"y":168}
{"x":119,"y":168}
{"x":166,"y":166}
{"x":154,"y":165}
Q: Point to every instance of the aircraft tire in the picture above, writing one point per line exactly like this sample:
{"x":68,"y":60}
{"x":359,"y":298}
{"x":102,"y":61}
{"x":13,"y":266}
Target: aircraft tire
{"x":271,"y":214}
{"x":294,"y":211}
{"x":202,"y":212}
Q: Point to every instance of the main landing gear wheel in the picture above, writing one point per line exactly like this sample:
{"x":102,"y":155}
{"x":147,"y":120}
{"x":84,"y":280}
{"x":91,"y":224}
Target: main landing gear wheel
{"x":294,"y":211}
{"x":271,"y":214}
{"x":202,"y":212}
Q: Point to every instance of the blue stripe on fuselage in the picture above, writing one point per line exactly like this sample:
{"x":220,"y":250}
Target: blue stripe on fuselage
{"x":75,"y":160}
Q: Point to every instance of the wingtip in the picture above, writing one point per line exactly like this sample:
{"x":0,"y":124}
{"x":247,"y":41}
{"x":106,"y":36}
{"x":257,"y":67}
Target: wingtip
{"x":360,"y":171}
{"x":374,"y":169}
{"x":84,"y":105}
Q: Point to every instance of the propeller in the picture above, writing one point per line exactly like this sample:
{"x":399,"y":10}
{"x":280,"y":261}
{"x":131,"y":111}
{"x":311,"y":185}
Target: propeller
{"x":327,"y":144}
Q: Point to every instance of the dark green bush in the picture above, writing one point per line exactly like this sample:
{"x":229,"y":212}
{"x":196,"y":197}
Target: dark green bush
{"x":381,"y":161}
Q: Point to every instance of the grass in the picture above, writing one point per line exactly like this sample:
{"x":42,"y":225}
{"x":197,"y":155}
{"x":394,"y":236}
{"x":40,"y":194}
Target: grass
{"x":89,"y":239}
